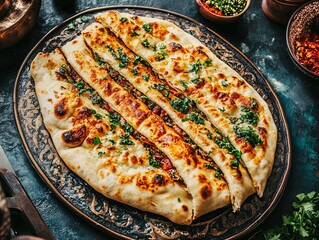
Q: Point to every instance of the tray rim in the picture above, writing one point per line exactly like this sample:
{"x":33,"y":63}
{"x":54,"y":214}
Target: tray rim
{"x":94,"y":223}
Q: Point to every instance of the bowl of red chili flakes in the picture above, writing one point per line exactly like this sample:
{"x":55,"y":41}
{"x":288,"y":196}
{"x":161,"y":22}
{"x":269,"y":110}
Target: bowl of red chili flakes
{"x":222,"y":11}
{"x":302,"y":37}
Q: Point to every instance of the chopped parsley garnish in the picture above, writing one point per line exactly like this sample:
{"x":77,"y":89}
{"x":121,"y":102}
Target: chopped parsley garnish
{"x":224,"y":83}
{"x":209,"y":166}
{"x":70,"y":80}
{"x":125,"y":140}
{"x":233,"y":120}
{"x":181,"y":105}
{"x":147,"y":27}
{"x":134,"y":33}
{"x":134,"y":71}
{"x":153,"y":162}
{"x":195,"y":67}
{"x":128,"y":129}
{"x":112,"y":51}
{"x":96,"y":141}
{"x":178,"y":200}
{"x":114,"y":119}
{"x":222,"y":109}
{"x":254,"y":104}
{"x":249,"y":116}
{"x":127,"y":86}
{"x":96,"y":99}
{"x":123,"y":19}
{"x":218,"y":172}
{"x":224,"y":143}
{"x":234,"y":163}
{"x":100,"y":153}
{"x":184,"y":85}
{"x":146,"y":43}
{"x":144,"y":97}
{"x":138,"y":59}
{"x":122,"y":57}
{"x":96,"y":115}
{"x":160,"y":55}
{"x":112,"y":141}
{"x":194,"y":117}
{"x":207,"y":63}
{"x":80,"y":86}
{"x":162,"y":88}
{"x":64,"y":71}
{"x":98,"y":59}
{"x":249,"y":134}
{"x":74,"y":24}
{"x":197,"y":80}
{"x":146,"y":77}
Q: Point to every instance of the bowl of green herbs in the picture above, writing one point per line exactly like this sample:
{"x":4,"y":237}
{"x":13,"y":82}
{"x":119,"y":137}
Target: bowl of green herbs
{"x":222,"y":11}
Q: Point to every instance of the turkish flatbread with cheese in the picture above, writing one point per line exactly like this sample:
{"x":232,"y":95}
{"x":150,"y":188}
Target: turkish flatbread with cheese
{"x":227,"y":100}
{"x":150,"y":117}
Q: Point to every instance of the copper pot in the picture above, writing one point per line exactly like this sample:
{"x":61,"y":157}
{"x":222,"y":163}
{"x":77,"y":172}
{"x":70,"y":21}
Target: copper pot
{"x":280,"y":10}
{"x":17,"y":17}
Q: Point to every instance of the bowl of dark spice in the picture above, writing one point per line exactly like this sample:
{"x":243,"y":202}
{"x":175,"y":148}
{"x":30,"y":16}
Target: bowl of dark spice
{"x":222,"y":11}
{"x":303,"y":38}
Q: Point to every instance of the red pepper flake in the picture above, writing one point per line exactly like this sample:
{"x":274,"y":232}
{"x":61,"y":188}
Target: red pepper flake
{"x":212,"y":9}
{"x":307,"y":48}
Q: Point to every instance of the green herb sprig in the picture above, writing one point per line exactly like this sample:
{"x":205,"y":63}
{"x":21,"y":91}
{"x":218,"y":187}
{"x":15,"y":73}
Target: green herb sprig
{"x":301,"y":224}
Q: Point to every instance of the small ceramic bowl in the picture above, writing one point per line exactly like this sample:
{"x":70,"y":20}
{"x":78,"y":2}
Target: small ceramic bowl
{"x":206,"y":13}
{"x":297,"y":26}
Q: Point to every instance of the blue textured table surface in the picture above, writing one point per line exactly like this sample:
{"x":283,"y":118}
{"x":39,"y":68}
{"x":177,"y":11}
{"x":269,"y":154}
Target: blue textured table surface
{"x":260,"y":39}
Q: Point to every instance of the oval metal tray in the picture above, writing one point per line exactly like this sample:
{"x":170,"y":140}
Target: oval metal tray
{"x":116,"y":218}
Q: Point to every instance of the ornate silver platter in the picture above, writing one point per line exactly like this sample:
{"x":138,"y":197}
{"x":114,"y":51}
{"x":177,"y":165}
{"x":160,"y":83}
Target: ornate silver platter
{"x":116,"y":218}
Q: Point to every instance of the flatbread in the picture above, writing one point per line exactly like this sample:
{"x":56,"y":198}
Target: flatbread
{"x":208,"y":191}
{"x":120,"y":172}
{"x":227,"y":100}
{"x":107,"y":47}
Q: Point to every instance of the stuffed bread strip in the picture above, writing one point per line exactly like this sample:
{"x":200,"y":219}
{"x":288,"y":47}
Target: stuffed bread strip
{"x":208,"y":192}
{"x":117,"y":171}
{"x":107,"y":47}
{"x":228,"y":101}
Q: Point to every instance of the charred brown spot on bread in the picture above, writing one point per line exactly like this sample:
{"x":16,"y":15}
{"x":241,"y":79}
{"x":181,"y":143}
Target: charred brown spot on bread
{"x":50,"y":64}
{"x":263,"y":135}
{"x":202,"y":178}
{"x":238,"y":174}
{"x":185,"y":208}
{"x":222,"y":186}
{"x":61,"y":108}
{"x":175,"y":46}
{"x":134,"y":159}
{"x":143,"y":183}
{"x":159,"y":180}
{"x":234,"y":95}
{"x":75,"y":136}
{"x":221,"y":76}
{"x":127,"y":179}
{"x":85,"y":112}
{"x":246,"y":147}
{"x":206,"y":191}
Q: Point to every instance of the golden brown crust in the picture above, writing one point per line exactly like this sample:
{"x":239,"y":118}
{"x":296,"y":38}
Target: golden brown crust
{"x":151,"y":126}
{"x":220,"y":92}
